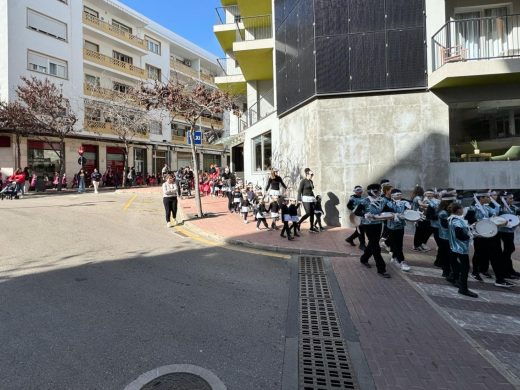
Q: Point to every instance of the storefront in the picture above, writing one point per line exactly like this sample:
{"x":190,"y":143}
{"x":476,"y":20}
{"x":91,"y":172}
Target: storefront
{"x":91,"y":154}
{"x":209,"y":159}
{"x":184,"y":160}
{"x":140,"y":161}
{"x":42,"y":158}
{"x":115,"y":159}
{"x":160,"y":157}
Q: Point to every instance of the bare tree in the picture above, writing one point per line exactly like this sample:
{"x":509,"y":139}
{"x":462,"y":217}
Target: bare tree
{"x":16,"y":118}
{"x":51,"y":115}
{"x":191,"y":102}
{"x":116,"y":113}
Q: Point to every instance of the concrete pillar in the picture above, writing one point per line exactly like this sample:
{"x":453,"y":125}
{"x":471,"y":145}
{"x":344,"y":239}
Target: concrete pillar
{"x":512,"y":122}
{"x":102,"y":157}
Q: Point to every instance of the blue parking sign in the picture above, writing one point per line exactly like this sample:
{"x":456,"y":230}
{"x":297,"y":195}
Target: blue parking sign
{"x":197,"y":135}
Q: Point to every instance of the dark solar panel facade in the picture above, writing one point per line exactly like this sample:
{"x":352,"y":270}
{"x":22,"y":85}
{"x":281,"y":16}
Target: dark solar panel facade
{"x":348,"y":46}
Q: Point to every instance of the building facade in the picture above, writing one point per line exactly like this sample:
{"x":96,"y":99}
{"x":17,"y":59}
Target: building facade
{"x":97,"y":50}
{"x":395,"y":89}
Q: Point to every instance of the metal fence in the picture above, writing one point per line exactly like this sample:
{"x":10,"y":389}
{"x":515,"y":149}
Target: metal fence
{"x":255,"y":27}
{"x":228,"y":15}
{"x":229,"y":66}
{"x":476,"y":39}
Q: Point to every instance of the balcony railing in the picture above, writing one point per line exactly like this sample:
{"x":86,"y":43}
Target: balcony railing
{"x":207,"y":78}
{"x":179,"y":139}
{"x":183,"y":68}
{"x":101,"y":127}
{"x":476,"y":39}
{"x":229,"y":66}
{"x":228,"y":15}
{"x":261,"y":109}
{"x":113,"y":31}
{"x":113,"y":63}
{"x":255,"y":27}
{"x":208,"y":122}
{"x":108,"y":94}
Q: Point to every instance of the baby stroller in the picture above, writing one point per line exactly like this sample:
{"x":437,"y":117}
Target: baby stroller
{"x":9,"y":191}
{"x":184,"y":188}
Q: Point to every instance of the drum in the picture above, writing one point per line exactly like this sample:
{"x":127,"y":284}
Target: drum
{"x":354,"y":219}
{"x":499,"y":221}
{"x":485,"y":228}
{"x":465,"y":211}
{"x":412,"y":215}
{"x":512,"y":220}
{"x":384,"y":216}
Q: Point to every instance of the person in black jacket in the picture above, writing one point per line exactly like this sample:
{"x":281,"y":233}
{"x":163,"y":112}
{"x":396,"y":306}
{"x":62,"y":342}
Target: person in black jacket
{"x":318,"y":212}
{"x":274,"y":183}
{"x":286,"y":218}
{"x":353,"y":202}
{"x":306,"y":196}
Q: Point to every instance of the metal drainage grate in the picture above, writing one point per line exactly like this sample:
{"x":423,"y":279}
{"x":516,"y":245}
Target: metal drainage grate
{"x":324,"y":359}
{"x":177,"y":381}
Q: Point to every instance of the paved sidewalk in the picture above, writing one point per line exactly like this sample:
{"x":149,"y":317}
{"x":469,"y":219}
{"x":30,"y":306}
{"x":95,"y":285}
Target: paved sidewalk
{"x":415,"y":330}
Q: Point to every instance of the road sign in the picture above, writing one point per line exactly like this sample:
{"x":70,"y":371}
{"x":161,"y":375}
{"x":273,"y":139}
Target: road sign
{"x":197,"y":135}
{"x":82,"y":161}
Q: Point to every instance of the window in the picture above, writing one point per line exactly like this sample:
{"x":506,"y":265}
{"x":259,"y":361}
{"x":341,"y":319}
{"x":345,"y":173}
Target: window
{"x":153,"y":45}
{"x":155,"y":127}
{"x":178,"y":130}
{"x":93,"y":114}
{"x":91,"y":12}
{"x":262,"y":152}
{"x":121,"y":26}
{"x":46,"y":25}
{"x":153,"y":72}
{"x":92,"y":80}
{"x":44,"y":64}
{"x":91,"y":46}
{"x":122,"y":57}
{"x":119,"y":87}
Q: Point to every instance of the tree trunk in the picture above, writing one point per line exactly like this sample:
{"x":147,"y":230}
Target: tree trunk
{"x":62,"y":163}
{"x":198,"y":201}
{"x":18,"y":152}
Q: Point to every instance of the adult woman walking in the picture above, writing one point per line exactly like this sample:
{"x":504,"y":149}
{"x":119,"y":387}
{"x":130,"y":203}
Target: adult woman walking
{"x":170,"y":200}
{"x":306,"y":196}
{"x":81,"y":181}
{"x":274,"y":183}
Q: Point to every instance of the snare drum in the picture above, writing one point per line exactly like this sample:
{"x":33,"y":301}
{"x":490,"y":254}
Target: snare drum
{"x":512,"y":220}
{"x":412,"y":215}
{"x":384,"y":216}
{"x":485,"y":228}
{"x":499,"y":221}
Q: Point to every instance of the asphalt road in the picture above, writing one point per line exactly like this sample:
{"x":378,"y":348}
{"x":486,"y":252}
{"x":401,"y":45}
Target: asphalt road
{"x":95,"y":291}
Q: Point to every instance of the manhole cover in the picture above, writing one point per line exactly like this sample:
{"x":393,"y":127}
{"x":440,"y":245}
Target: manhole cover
{"x":177,"y":381}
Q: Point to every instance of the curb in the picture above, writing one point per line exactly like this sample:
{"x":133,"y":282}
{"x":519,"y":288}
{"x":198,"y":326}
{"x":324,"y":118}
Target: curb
{"x":253,"y":245}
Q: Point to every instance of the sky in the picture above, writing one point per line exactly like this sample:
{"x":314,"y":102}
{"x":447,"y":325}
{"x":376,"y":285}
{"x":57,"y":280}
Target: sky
{"x":192,"y":19}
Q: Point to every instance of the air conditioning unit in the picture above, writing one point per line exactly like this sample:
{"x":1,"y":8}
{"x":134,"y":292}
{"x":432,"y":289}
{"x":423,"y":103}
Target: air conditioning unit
{"x":187,"y":63}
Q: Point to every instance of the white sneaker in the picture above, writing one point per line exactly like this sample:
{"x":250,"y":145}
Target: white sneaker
{"x":405,"y":267}
{"x":394,"y":261}
{"x":168,"y":224}
{"x":174,"y":223}
{"x":425,"y":248}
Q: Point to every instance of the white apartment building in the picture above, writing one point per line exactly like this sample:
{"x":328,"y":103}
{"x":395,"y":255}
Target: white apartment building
{"x":96,"y":49}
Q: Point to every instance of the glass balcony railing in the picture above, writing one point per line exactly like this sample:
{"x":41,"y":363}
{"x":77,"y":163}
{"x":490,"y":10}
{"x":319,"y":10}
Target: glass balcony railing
{"x":229,"y":66}
{"x":255,"y":27}
{"x":476,"y":39}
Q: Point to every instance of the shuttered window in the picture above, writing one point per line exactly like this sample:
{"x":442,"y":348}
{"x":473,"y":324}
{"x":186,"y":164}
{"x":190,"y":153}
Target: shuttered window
{"x":46,"y":25}
{"x":41,"y":63}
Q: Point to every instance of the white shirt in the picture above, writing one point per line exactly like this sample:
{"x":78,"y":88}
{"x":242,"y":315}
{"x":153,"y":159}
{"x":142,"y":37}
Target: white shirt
{"x":169,"y":190}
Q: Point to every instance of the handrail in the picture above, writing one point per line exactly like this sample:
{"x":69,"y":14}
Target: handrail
{"x":228,"y":15}
{"x":476,"y":39}
{"x":255,"y":27}
{"x":114,"y":30}
{"x":228,"y":65}
{"x":260,"y":109}
{"x":113,"y":63}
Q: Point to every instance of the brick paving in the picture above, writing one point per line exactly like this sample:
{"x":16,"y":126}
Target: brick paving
{"x":407,"y":343}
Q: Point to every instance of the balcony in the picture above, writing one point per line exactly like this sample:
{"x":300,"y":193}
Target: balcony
{"x":100,"y":127}
{"x":209,"y":122}
{"x":114,"y":63}
{"x":254,"y":48}
{"x":114,"y":31}
{"x":179,"y":140}
{"x":476,"y":51}
{"x":256,"y":7}
{"x":233,"y":82}
{"x":228,"y":22}
{"x":183,"y":68}
{"x":207,"y":78}
{"x":108,"y":94}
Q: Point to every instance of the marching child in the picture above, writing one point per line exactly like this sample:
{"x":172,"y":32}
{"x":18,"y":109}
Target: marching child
{"x":293,"y":212}
{"x":274,"y":209}
{"x":396,"y":229}
{"x":286,"y":218}
{"x":237,"y":197}
{"x":318,"y":212}
{"x":261,"y":215}
{"x":244,"y":206}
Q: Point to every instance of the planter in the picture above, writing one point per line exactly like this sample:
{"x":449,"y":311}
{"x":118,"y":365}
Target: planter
{"x":476,"y":151}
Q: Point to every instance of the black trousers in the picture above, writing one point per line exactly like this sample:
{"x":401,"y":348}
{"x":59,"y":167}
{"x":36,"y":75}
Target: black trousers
{"x":170,"y":207}
{"x":439,"y":259}
{"x":444,"y":256}
{"x":487,"y":251}
{"x":230,"y":201}
{"x":309,"y":213}
{"x":508,"y":241}
{"x":286,"y":229}
{"x":395,"y":239}
{"x":423,"y":231}
{"x":358,"y":233}
{"x":463,"y":266}
{"x":261,"y":220}
{"x":318,"y":221}
{"x":373,"y":232}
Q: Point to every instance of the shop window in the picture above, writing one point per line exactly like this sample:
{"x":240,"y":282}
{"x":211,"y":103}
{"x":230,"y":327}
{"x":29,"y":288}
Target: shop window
{"x":5,"y":142}
{"x":485,"y":131}
{"x":262,"y":152}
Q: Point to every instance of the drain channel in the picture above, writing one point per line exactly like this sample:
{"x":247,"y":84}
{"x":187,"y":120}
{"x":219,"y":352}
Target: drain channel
{"x":324,"y":362}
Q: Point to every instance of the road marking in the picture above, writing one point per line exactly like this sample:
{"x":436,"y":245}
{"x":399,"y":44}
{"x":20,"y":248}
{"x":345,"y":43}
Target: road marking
{"x":208,"y":242}
{"x":129,"y":203}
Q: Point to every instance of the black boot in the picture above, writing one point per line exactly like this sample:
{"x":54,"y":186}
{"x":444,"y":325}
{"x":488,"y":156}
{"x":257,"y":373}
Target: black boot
{"x":468,"y":293}
{"x":350,"y":241}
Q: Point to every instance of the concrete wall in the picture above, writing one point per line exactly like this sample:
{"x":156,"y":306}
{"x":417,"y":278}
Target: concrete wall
{"x":361,"y":140}
{"x":487,"y":174}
